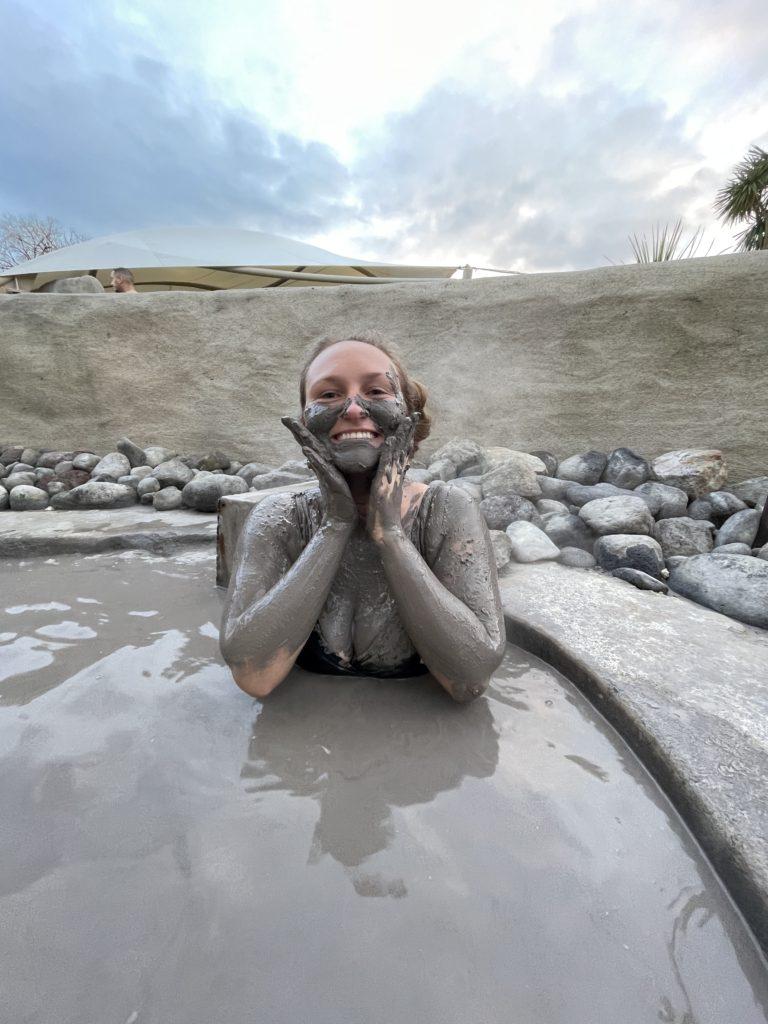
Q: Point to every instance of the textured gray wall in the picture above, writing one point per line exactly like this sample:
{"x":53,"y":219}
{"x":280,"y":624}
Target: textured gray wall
{"x":654,"y":357}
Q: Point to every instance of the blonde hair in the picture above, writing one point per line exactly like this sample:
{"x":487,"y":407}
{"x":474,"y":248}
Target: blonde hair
{"x":414,"y":393}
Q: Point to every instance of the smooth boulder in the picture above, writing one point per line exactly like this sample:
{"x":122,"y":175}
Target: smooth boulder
{"x":641,"y":580}
{"x":697,"y":471}
{"x":580,"y":494}
{"x":619,"y":514}
{"x":173,"y":473}
{"x":25,"y":498}
{"x":135,"y":455}
{"x":462,"y":453}
{"x":513,"y":476}
{"x":529,"y":543}
{"x":753,"y":491}
{"x":203,"y":493}
{"x":740,"y":528}
{"x":86,"y":461}
{"x":583,"y":469}
{"x":684,"y":536}
{"x":632,"y":551}
{"x":502,"y":547}
{"x":111,"y":467}
{"x":166,"y":499}
{"x":577,"y":558}
{"x":568,"y":531}
{"x":736,"y":585}
{"x":504,"y":509}
{"x":664,"y":501}
{"x":626,"y":469}
{"x":96,"y":494}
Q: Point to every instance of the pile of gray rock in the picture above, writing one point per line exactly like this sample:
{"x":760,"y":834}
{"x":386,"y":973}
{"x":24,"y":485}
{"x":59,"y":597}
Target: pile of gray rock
{"x":669,"y":522}
{"x":34,"y":479}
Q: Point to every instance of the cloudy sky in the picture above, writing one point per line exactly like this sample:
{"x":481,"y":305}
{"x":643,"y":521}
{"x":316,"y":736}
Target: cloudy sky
{"x":506,"y":134}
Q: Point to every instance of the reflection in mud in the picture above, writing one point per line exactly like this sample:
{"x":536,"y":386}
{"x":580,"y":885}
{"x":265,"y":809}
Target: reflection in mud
{"x":173,"y":852}
{"x":360,"y":748}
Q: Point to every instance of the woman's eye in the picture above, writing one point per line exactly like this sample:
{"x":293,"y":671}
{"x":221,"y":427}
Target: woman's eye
{"x":328,"y":394}
{"x":377,"y":391}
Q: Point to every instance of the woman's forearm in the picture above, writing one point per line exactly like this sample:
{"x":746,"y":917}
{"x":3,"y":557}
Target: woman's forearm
{"x":267,"y":634}
{"x":458,"y":648}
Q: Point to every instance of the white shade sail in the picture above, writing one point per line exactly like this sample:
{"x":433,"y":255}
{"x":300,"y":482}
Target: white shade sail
{"x":207,"y":259}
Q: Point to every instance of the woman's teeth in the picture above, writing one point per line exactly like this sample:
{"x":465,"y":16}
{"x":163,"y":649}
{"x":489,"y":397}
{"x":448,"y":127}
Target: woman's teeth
{"x":352,"y":435}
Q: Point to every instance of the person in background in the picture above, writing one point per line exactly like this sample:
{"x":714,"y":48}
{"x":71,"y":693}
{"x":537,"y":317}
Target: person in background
{"x":121,"y":280}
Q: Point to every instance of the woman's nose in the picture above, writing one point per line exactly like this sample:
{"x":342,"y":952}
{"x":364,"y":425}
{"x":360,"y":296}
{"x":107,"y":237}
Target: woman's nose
{"x":355,"y":409}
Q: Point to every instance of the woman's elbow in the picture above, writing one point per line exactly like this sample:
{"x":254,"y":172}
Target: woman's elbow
{"x":254,"y":683}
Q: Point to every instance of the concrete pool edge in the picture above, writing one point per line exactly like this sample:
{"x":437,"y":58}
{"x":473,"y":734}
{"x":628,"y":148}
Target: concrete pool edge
{"x":680,"y":710}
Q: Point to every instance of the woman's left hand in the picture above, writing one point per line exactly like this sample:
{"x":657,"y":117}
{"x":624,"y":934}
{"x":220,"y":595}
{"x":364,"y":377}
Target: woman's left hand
{"x":386,"y":495}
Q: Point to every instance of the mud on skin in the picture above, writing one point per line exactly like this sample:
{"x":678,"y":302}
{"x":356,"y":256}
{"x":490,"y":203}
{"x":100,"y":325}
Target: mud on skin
{"x":416,"y":575}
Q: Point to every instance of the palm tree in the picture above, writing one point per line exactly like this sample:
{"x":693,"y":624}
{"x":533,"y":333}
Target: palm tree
{"x":745,"y":197}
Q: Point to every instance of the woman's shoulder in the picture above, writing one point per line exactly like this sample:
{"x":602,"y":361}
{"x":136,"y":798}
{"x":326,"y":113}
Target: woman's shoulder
{"x":286,"y":510}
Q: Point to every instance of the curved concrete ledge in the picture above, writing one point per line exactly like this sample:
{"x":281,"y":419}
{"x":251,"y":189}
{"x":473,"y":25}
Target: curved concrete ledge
{"x":686,"y":687}
{"x":35,"y":534}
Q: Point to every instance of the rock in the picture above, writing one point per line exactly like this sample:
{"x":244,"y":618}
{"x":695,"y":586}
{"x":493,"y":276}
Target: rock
{"x":551,"y":487}
{"x":129,"y":481}
{"x":529,"y":543}
{"x":167,"y":498}
{"x":234,"y":467}
{"x":569,"y":531}
{"x":731,"y":584}
{"x":416,"y":476}
{"x":664,"y":501}
{"x":85,"y":460}
{"x":625,"y":469}
{"x":3,"y":471}
{"x":513,"y":476}
{"x":503,"y":509}
{"x":752,"y":492}
{"x":148,"y":485}
{"x":48,"y":460}
{"x":28,"y":499}
{"x":443,"y":469}
{"x":674,"y":560}
{"x":463,"y":453}
{"x":214,"y":460}
{"x":475,"y":491}
{"x":631,"y":551}
{"x":762,"y":552}
{"x":694,"y":470}
{"x":580,"y":494}
{"x":203,"y":493}
{"x":583,"y":469}
{"x":545,"y":505}
{"x":56,"y":487}
{"x":30,"y":456}
{"x":740,"y":528}
{"x":724,"y":504}
{"x":733,"y":549}
{"x":577,"y":557}
{"x":639,"y":579}
{"x":275,"y":478}
{"x":173,"y":473}
{"x":684,"y":536}
{"x":619,"y":514}
{"x":549,"y":460}
{"x":83,"y":284}
{"x":502,"y":547}
{"x":11,"y":454}
{"x":141,"y":472}
{"x":700,"y":508}
{"x":19,"y":480}
{"x":96,"y":494}
{"x":63,"y":467}
{"x":136,"y":456}
{"x":5,"y":499}
{"x":155,"y":455}
{"x":252,"y":469}
{"x":23,"y":467}
{"x":43,"y":474}
{"x":111,"y":467}
{"x":498,"y":456}
{"x":73,"y":478}
{"x":297,"y":466}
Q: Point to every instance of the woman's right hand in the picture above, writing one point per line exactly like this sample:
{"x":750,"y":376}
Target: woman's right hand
{"x":337,"y":498}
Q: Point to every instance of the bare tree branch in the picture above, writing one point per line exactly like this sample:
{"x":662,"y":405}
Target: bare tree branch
{"x":24,"y":238}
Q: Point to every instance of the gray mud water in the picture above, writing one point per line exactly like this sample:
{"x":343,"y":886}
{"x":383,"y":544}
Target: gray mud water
{"x":353,"y":851}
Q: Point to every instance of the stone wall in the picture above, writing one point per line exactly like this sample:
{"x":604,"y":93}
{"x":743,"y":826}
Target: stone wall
{"x":655,"y":357}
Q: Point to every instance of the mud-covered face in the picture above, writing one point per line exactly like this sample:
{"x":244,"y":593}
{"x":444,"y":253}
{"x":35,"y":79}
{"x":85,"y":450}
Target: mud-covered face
{"x":354,"y":402}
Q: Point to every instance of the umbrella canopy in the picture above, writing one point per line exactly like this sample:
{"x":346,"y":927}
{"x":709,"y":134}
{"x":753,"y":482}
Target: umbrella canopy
{"x":208,"y":259}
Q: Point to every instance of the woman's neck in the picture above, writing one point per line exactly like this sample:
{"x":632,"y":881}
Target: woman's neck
{"x":360,"y":489}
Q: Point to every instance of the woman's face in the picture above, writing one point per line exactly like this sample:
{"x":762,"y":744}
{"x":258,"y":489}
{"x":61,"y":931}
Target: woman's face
{"x":353,"y":402}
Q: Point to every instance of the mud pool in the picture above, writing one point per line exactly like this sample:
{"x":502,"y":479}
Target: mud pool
{"x":351,"y":851}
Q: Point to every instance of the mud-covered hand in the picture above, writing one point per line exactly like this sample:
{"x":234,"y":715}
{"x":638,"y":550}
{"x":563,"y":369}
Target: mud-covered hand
{"x":337,"y":498}
{"x":384,"y":503}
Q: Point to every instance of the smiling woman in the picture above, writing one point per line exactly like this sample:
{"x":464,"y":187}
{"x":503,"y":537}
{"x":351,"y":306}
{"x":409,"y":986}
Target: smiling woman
{"x":369,"y":574}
